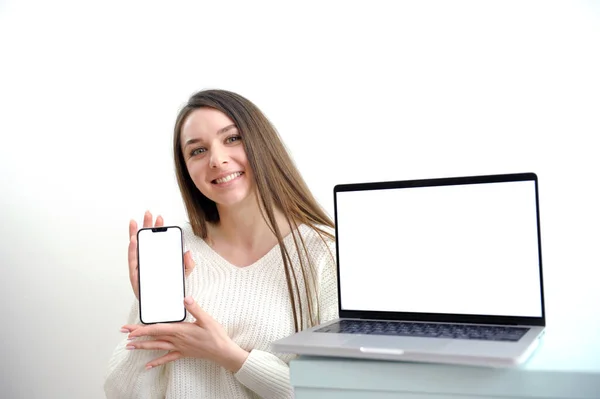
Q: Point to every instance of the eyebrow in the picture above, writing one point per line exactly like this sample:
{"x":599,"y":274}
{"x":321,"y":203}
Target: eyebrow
{"x":219,"y":132}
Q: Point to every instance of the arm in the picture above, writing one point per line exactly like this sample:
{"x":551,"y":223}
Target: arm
{"x":260,"y":371}
{"x":127,"y":376}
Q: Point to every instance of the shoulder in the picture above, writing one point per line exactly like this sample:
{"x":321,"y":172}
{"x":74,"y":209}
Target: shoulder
{"x":319,"y":242}
{"x":186,"y":229}
{"x":191,"y":240}
{"x":320,"y":234}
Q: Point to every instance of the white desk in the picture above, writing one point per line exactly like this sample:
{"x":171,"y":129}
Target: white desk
{"x":565,"y":365}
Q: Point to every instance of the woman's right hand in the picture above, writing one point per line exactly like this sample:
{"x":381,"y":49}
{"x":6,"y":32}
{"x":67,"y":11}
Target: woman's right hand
{"x":133,"y":258}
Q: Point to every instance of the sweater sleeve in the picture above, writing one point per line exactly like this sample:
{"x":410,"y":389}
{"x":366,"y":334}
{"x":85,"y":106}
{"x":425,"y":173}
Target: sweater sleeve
{"x":266,"y":375}
{"x":127,"y":376}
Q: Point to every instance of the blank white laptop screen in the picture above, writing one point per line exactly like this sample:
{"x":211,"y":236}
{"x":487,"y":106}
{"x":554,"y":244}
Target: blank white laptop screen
{"x":464,"y":249}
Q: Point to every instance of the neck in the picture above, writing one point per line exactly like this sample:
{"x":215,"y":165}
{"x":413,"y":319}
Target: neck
{"x":244,"y":226}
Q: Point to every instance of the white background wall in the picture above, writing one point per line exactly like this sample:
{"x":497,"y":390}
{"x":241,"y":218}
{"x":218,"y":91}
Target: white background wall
{"x":360,"y":91}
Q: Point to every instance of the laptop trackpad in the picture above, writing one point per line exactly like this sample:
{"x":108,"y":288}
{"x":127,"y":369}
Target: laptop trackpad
{"x":404,"y":344}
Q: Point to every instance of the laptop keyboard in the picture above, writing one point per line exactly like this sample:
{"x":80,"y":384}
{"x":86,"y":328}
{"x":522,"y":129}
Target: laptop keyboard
{"x":426,"y":330}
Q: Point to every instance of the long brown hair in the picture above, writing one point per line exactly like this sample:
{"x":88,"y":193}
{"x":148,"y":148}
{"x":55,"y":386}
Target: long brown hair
{"x":279,"y":186}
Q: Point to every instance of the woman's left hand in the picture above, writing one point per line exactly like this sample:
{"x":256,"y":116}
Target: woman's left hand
{"x":203,"y":339}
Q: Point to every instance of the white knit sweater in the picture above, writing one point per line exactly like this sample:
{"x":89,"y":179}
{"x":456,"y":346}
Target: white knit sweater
{"x":252,"y":304}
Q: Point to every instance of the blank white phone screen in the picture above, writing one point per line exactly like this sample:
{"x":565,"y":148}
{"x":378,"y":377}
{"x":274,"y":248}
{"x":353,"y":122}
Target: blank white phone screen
{"x":161,"y":274}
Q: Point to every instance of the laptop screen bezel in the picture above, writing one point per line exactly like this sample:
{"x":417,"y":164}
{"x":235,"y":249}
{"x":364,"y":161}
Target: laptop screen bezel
{"x":442,"y":317}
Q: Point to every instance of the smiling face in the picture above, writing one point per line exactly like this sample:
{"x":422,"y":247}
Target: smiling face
{"x":215,"y":157}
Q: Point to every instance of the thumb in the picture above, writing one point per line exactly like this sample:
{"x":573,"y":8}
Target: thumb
{"x":195,"y":310}
{"x":188,"y":263}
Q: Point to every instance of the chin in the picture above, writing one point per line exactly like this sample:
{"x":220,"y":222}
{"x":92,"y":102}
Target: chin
{"x":232,"y":199}
{"x":230,"y":196}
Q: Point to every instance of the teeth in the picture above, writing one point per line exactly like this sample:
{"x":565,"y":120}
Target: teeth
{"x":228,"y":178}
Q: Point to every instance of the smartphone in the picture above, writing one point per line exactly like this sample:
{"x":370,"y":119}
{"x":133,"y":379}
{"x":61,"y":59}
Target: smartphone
{"x":161,"y":274}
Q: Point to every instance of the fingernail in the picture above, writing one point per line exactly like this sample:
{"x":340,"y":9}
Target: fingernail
{"x":130,"y":347}
{"x":130,"y":338}
{"x":189,"y":300}
{"x":148,"y":367}
{"x":124,"y":330}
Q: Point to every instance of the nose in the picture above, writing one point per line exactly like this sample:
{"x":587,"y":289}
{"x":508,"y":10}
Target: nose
{"x":218,"y":157}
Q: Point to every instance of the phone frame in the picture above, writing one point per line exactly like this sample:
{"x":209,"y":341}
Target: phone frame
{"x":159,"y":230}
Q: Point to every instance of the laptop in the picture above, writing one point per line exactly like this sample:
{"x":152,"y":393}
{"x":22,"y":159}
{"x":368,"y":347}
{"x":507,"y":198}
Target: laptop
{"x":445,"y":270}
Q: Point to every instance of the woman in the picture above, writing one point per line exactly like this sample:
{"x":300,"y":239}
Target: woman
{"x":259,"y":263}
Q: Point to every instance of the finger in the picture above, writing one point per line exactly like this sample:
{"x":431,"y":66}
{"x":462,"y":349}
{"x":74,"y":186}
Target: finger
{"x":159,"y":222}
{"x":189,"y":263}
{"x":155,"y":330}
{"x":166,"y":338}
{"x":132,"y":227}
{"x":130,"y":327}
{"x":147,"y":219}
{"x":199,"y":314}
{"x":132,"y":256}
{"x":169,"y":357}
{"x":150,"y":345}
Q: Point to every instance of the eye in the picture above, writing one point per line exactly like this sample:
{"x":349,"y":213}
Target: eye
{"x":197,"y":151}
{"x":233,"y":139}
